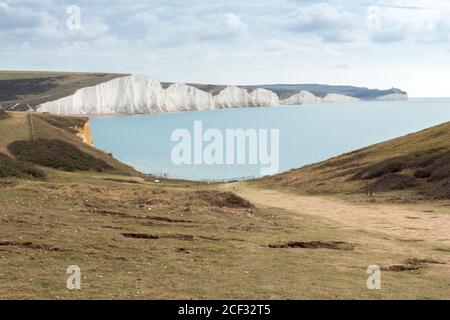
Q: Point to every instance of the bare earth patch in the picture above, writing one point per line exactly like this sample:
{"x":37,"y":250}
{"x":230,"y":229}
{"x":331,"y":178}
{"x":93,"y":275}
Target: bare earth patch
{"x":335,"y":245}
{"x":411,"y":265}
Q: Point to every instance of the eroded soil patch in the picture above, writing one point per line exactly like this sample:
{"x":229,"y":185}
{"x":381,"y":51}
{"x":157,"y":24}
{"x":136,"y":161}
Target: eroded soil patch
{"x":185,"y":237}
{"x":410,"y":265}
{"x":29,"y":245}
{"x":334,"y":245}
{"x":120,"y":214}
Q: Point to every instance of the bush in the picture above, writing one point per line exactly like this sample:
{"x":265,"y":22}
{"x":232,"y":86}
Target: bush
{"x":57,"y":154}
{"x":436,"y":167}
{"x":394,"y":182}
{"x":382,"y":168}
{"x":222,"y":199}
{"x":422,"y":173}
{"x":3,"y":114}
{"x":441,"y":191}
{"x":12,"y":168}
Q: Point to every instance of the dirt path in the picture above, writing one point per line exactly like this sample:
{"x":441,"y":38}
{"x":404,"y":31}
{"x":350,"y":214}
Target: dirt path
{"x":409,"y":223}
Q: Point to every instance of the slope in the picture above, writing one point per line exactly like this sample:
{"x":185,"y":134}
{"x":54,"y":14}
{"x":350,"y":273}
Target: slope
{"x":416,"y":165}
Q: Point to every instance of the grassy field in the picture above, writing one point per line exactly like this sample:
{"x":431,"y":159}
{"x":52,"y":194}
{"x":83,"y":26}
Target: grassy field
{"x":134,"y":238}
{"x":34,"y":88}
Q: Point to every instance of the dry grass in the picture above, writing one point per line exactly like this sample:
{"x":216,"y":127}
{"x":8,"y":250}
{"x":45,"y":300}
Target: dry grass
{"x":144,"y":240}
{"x":419,"y":163}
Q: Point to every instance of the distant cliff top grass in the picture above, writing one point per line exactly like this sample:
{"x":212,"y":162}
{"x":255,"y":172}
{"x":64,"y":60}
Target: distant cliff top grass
{"x":36,"y":87}
{"x":284,"y":91}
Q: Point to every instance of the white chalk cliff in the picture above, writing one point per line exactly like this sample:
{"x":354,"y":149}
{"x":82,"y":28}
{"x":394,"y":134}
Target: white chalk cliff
{"x":141,"y":94}
{"x":232,"y":97}
{"x":393,"y":97}
{"x":303,"y":97}
{"x":306,"y":97}
{"x":137,"y":94}
{"x":336,"y":97}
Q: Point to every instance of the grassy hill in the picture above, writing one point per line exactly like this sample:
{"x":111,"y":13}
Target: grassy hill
{"x":34,"y":88}
{"x":54,"y":144}
{"x":416,"y":165}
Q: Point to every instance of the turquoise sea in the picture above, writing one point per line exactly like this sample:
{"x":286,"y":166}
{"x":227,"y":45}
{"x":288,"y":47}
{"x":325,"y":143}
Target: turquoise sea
{"x":308,"y":133}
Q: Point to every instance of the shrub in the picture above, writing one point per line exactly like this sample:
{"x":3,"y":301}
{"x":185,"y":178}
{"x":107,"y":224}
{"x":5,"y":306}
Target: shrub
{"x":12,"y":168}
{"x":382,"y":168}
{"x":57,"y":154}
{"x":222,"y":199}
{"x":394,"y":182}
{"x":3,"y":114}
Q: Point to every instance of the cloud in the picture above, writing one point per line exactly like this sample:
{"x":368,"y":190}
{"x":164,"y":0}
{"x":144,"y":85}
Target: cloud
{"x":180,"y":30}
{"x":89,"y":30}
{"x":326,"y":21}
{"x":344,"y":64}
{"x":413,"y":21}
{"x":25,"y":21}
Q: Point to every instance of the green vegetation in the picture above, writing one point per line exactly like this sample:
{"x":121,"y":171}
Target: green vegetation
{"x":394,"y":181}
{"x":56,"y":154}
{"x":3,"y":114}
{"x":12,"y":168}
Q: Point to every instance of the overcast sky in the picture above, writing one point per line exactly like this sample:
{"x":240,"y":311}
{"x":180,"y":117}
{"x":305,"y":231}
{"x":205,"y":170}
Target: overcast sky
{"x":371,"y":43}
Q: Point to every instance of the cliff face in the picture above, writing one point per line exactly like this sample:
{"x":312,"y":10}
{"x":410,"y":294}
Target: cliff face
{"x":232,"y":97}
{"x":138,"y":94}
{"x":393,"y":97}
{"x":306,"y":97}
{"x":335,"y":97}
{"x":141,"y":94}
{"x":301,"y":98}
{"x":84,"y":132}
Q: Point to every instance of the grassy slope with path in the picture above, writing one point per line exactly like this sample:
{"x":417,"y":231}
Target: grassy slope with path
{"x":140,"y":239}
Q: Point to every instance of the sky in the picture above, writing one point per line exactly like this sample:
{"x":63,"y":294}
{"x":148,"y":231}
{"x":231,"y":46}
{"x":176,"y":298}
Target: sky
{"x":371,"y":43}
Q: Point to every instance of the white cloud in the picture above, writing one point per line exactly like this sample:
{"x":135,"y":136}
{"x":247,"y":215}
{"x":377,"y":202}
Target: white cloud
{"x":329,"y":22}
{"x":343,"y":64}
{"x":25,"y":21}
{"x":421,"y":21}
{"x":90,"y":29}
{"x":25,"y":46}
{"x":178,"y":31}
